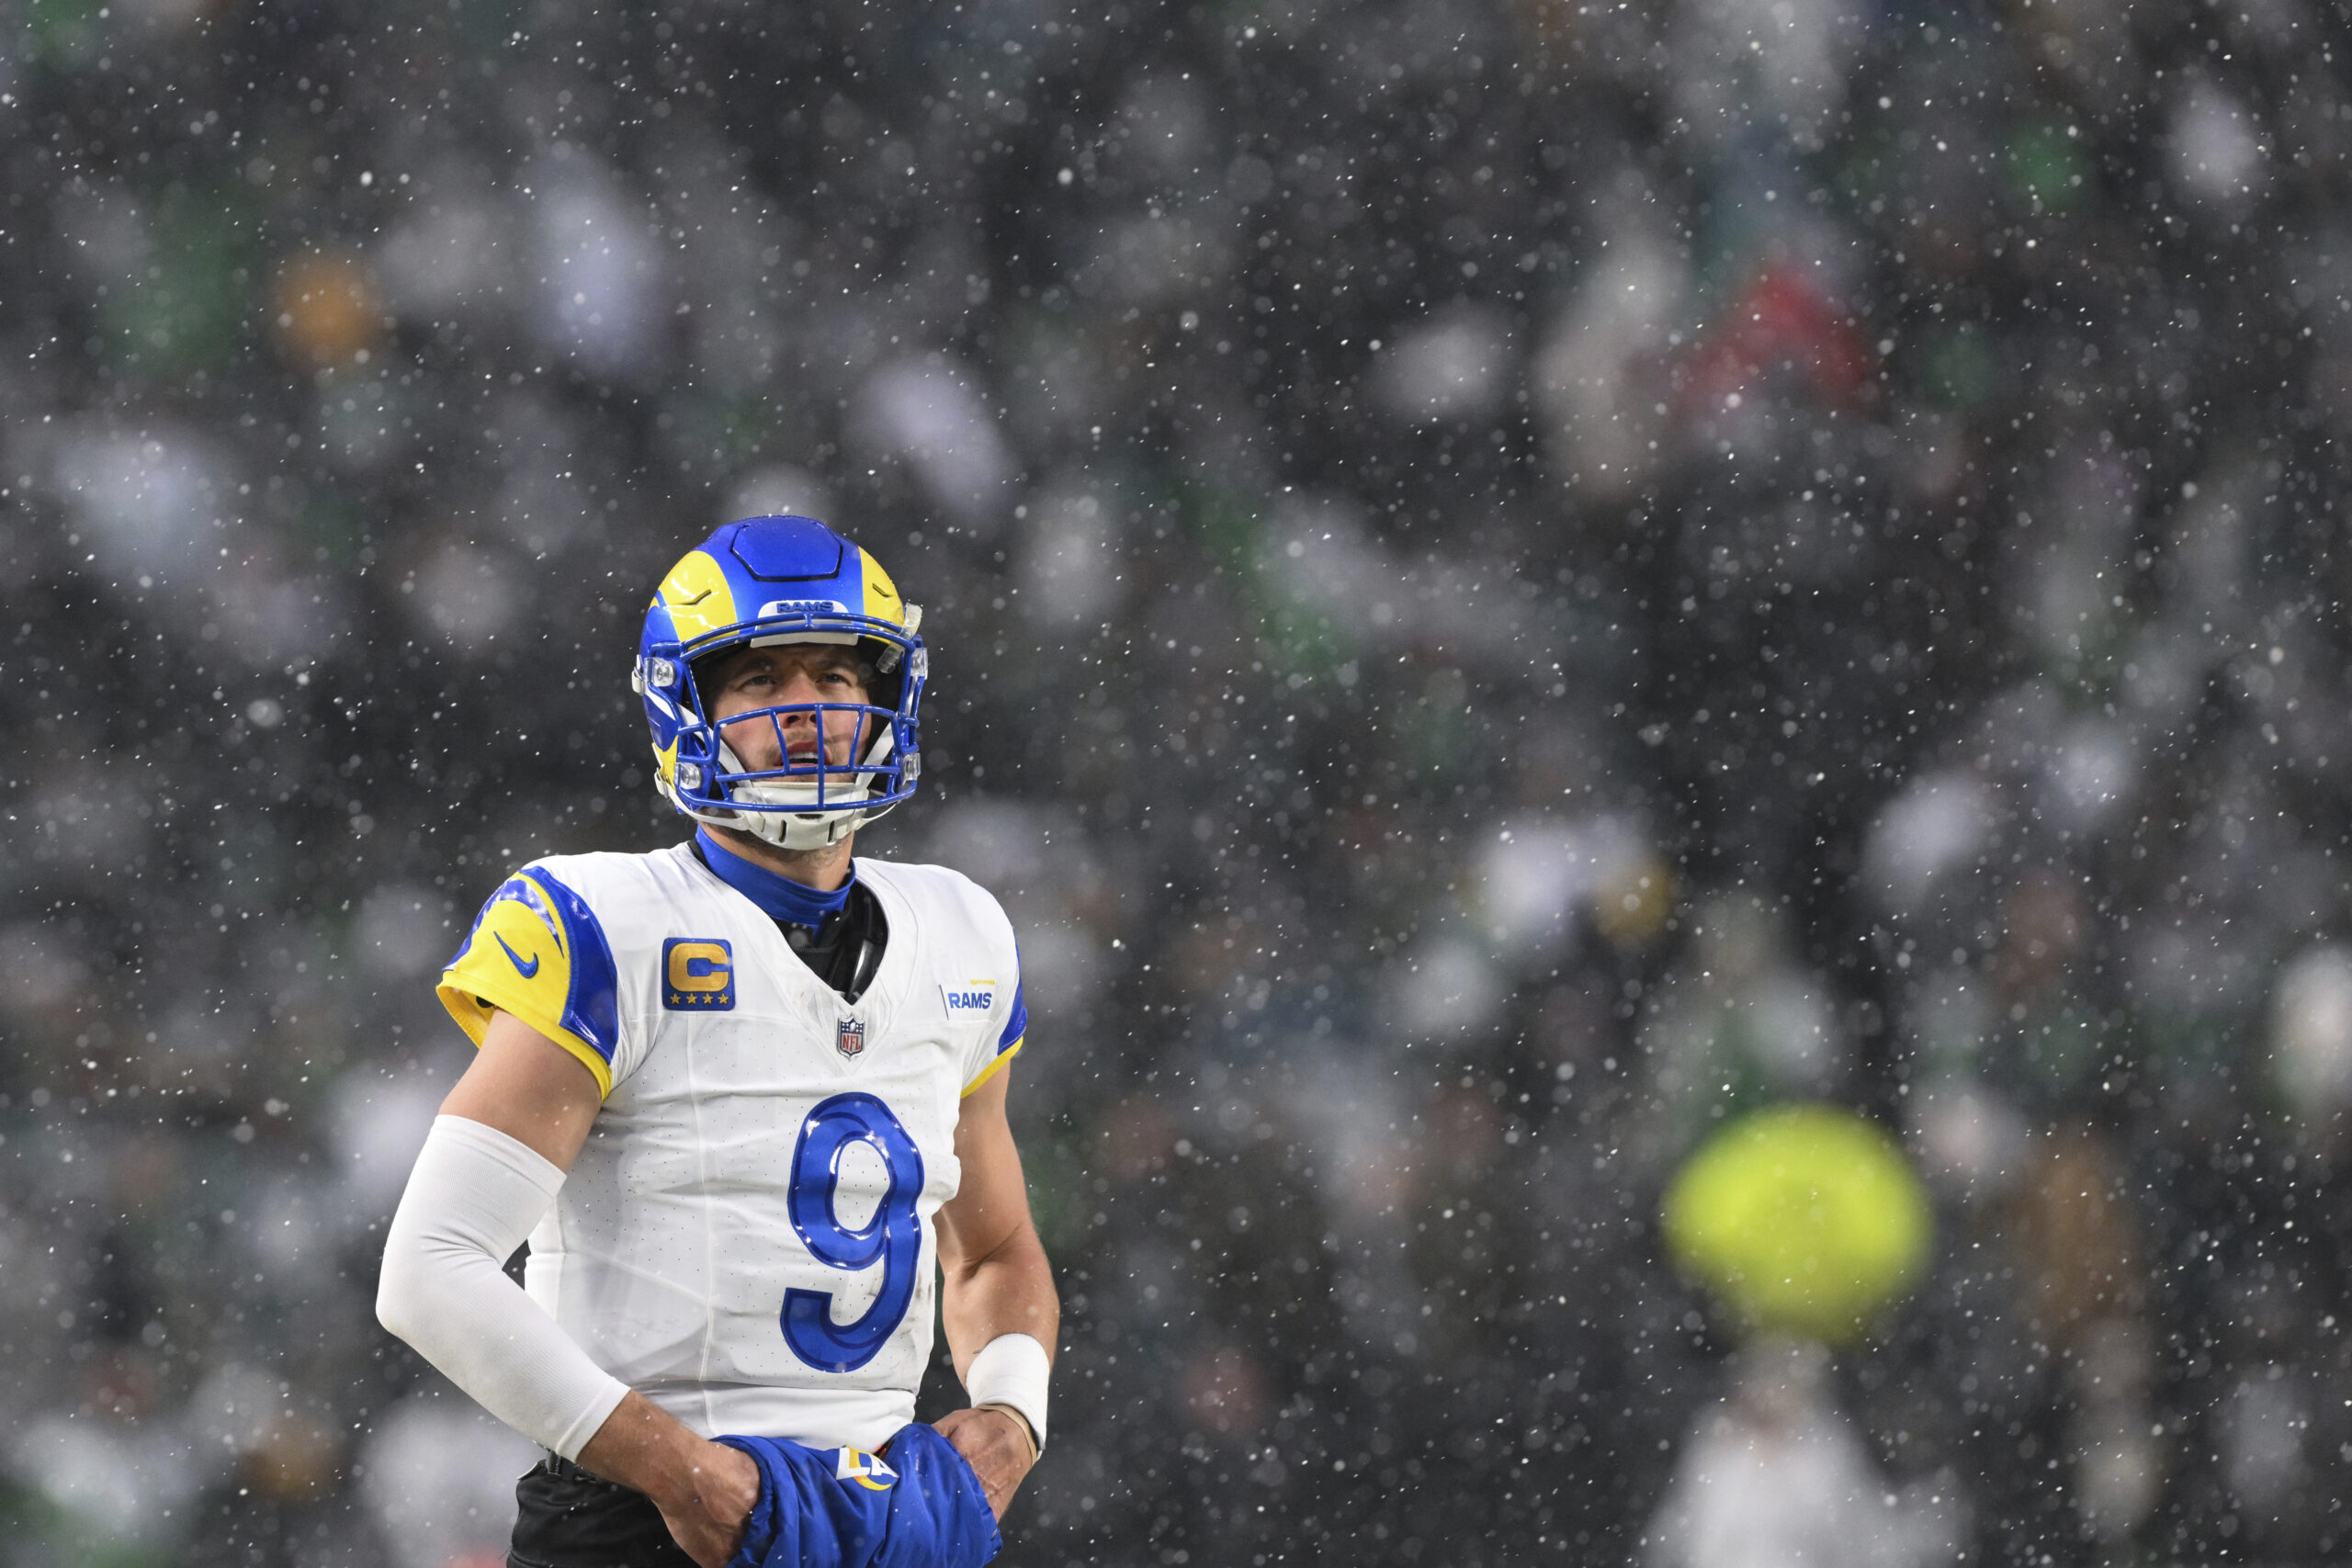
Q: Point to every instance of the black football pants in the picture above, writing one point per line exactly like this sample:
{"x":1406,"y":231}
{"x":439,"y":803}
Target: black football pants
{"x":566,"y":1517}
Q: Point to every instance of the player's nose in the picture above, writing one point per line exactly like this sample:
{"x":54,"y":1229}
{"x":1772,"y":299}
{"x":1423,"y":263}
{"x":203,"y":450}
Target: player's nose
{"x":797,"y":687}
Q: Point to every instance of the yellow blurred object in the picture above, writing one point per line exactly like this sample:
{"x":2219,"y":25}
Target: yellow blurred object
{"x":1632,"y":900}
{"x":1802,"y":1219}
{"x":328,"y":313}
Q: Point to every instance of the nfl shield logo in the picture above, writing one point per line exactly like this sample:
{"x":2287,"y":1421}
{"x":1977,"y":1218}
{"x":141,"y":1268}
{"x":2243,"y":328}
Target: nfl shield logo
{"x":850,"y":1040}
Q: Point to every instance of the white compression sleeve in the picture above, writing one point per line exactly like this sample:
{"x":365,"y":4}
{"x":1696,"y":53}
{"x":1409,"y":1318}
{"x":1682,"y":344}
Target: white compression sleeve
{"x":473,"y":1197}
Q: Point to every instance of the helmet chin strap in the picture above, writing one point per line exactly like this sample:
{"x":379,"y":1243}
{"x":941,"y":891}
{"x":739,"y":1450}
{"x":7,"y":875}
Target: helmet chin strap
{"x":796,"y":830}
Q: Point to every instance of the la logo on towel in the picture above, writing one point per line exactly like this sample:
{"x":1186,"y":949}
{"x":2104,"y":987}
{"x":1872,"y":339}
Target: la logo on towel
{"x":867,"y":1469}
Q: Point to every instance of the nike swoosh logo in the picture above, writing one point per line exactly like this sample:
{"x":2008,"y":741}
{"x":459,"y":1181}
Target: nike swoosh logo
{"x":526,"y":970}
{"x":683,"y":603}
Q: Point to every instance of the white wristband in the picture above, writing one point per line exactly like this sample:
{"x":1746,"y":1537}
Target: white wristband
{"x":1010,"y":1370}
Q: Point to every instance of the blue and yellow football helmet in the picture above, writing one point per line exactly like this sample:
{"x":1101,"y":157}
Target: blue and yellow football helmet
{"x":754,"y":583}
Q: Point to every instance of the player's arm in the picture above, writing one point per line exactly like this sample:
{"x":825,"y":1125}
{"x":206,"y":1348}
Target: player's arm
{"x":506,"y":1136}
{"x":998,"y":1304}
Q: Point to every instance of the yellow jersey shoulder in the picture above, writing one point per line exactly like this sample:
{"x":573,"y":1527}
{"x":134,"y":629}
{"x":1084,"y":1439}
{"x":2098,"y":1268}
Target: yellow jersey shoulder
{"x":540,"y":949}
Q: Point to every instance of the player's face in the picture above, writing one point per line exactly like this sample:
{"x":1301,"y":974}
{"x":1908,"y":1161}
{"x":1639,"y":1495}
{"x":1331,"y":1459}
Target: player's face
{"x":756,"y":678}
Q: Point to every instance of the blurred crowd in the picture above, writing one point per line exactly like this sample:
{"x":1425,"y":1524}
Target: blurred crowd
{"x":1511,"y":580}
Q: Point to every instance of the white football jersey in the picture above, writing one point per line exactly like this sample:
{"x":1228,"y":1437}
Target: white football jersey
{"x":746,"y":1238}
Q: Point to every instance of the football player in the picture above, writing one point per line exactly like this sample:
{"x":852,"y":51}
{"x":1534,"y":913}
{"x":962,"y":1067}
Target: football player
{"x":745,"y":1097}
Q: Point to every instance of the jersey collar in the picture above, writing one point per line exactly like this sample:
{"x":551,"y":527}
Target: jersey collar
{"x":779,"y":896}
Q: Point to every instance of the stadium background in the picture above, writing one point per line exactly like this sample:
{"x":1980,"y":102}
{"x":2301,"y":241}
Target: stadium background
{"x":1508,"y":580}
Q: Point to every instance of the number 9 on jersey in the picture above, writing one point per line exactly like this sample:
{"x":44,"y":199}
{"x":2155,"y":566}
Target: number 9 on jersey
{"x":893,"y":1237}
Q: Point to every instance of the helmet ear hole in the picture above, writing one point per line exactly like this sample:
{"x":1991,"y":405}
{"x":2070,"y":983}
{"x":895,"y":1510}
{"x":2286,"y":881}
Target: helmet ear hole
{"x":703,"y":675}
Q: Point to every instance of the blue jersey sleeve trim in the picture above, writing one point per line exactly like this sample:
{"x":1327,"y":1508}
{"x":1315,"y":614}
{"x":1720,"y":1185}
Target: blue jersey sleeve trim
{"x":1016,"y":1023}
{"x":593,"y":1009}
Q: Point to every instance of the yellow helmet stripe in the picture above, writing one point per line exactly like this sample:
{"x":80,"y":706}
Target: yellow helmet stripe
{"x":882,"y":601}
{"x":697,"y":597}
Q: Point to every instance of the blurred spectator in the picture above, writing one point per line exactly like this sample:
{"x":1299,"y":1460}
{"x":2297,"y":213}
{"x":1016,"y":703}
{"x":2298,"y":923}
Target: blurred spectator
{"x":1775,"y":1477}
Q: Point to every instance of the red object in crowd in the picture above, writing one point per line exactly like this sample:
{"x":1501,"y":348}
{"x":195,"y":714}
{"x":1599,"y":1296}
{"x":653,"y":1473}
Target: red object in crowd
{"x":1782,"y":324}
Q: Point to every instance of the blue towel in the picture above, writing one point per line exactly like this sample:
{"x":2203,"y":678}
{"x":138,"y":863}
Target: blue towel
{"x":917,"y":1505}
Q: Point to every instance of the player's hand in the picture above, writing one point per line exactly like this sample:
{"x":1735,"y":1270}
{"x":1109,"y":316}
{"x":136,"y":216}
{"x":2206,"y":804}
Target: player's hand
{"x":707,"y":1510}
{"x":994,"y":1445}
